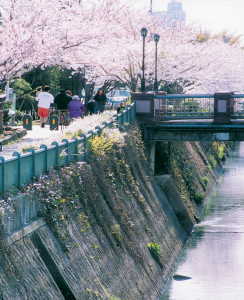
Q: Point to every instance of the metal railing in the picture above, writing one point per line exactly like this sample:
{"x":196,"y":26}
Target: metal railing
{"x":23,"y":169}
{"x":238,"y":107}
{"x":177,"y":107}
{"x":195,"y":106}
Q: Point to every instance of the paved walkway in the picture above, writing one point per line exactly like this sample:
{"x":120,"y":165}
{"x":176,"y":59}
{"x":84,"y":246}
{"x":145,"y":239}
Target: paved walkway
{"x":38,"y":136}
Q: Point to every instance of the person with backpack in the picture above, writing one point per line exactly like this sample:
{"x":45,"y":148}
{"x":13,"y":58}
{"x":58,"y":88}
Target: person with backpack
{"x":62,"y":100}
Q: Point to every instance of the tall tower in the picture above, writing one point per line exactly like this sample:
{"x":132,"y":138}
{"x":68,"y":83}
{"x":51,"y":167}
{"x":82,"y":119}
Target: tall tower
{"x":175,"y":12}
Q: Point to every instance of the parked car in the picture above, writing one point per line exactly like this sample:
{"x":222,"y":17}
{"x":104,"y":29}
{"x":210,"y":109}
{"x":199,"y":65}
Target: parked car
{"x":116,"y":97}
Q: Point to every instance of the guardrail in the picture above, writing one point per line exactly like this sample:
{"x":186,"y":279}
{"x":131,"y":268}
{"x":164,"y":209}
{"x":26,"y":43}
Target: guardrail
{"x":23,"y":169}
{"x":238,"y":106}
{"x":195,"y":106}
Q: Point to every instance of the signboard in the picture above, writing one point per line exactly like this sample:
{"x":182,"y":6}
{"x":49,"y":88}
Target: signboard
{"x":143,"y":106}
{"x":222,"y":106}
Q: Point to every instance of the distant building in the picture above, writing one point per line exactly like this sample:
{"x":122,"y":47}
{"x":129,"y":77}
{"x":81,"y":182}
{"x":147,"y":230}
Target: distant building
{"x":174,"y":14}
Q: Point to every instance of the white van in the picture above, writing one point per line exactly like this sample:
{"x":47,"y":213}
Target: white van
{"x":116,"y":97}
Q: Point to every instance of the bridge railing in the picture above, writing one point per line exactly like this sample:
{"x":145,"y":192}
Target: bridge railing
{"x":238,"y":107}
{"x":23,"y":169}
{"x":178,"y":107}
{"x":195,"y":106}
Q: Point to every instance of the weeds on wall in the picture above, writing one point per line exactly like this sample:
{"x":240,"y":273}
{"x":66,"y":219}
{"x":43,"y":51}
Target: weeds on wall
{"x":199,"y":197}
{"x":106,"y":143}
{"x":155,"y":251}
{"x":100,"y":145}
{"x":116,"y":232}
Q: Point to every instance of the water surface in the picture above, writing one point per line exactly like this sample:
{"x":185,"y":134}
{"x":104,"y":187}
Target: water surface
{"x":214,"y":256}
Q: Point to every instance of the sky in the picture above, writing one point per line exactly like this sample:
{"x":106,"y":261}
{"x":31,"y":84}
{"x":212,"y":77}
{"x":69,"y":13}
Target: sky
{"x":214,"y":15}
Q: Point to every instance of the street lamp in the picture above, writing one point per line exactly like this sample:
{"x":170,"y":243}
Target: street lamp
{"x":156,"y":38}
{"x":143,"y":34}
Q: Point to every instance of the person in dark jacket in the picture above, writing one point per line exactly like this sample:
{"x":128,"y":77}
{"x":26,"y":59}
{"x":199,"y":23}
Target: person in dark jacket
{"x":101,"y":100}
{"x":62,"y":100}
{"x":91,"y":107}
{"x":75,"y":107}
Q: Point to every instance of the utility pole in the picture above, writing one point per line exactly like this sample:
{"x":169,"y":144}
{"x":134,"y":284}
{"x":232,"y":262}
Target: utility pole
{"x":150,"y":10}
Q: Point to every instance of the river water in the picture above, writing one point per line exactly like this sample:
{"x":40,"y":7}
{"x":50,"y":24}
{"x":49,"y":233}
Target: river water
{"x":214,"y":256}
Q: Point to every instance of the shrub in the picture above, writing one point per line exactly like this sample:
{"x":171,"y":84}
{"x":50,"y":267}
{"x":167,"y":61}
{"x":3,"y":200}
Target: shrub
{"x":154,"y":249}
{"x":212,"y":161}
{"x":199,"y":197}
{"x":84,"y":221}
{"x":205,"y":180}
{"x":100,"y":145}
{"x":116,"y":232}
{"x":221,"y":152}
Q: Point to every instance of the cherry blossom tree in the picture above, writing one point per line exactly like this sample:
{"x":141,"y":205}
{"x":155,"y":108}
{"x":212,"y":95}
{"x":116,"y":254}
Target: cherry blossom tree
{"x":105,"y":35}
{"x":46,"y":33}
{"x":18,"y":37}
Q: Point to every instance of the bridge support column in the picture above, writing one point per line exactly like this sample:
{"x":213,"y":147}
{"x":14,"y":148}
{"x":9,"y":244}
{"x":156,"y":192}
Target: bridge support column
{"x":151,"y":151}
{"x":144,"y":104}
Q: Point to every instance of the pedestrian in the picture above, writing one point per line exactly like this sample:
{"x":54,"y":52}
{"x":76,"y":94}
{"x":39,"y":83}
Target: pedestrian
{"x":120,"y":108}
{"x":38,"y":90}
{"x":76,"y":107}
{"x":91,"y":107}
{"x":101,"y":100}
{"x":45,"y":99}
{"x":62,"y":100}
{"x":69,"y":93}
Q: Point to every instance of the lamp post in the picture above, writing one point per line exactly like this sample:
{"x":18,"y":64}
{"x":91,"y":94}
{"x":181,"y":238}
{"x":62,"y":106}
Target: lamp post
{"x":150,"y":10}
{"x":156,"y":40}
{"x":143,"y":34}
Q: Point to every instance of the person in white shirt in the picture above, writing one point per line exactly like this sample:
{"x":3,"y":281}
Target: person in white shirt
{"x":45,"y":99}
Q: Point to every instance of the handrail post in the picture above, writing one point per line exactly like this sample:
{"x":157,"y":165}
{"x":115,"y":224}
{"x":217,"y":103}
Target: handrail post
{"x":2,"y":162}
{"x":127,"y":119}
{"x":57,"y":153}
{"x":129,"y":113}
{"x":99,"y":130}
{"x":44,"y":147}
{"x":104,"y":124}
{"x":33,"y":152}
{"x":76,"y":150}
{"x":119,"y":119}
{"x":134,"y":111}
{"x":67,"y":149}
{"x":84,"y":145}
{"x":18,"y":155}
{"x":123,"y":117}
{"x":91,"y":133}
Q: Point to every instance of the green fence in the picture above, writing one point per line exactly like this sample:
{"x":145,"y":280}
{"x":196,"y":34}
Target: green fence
{"x":23,"y":169}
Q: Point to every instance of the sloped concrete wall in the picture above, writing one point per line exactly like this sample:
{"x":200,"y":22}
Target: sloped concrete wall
{"x":100,"y":217}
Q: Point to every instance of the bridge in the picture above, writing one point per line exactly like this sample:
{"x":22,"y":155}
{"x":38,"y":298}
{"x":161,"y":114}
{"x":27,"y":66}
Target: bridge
{"x":197,"y":117}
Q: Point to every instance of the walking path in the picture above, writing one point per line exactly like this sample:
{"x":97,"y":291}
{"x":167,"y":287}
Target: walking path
{"x":38,"y":136}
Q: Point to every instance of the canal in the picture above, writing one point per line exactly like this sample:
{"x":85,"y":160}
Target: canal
{"x":211,"y":265}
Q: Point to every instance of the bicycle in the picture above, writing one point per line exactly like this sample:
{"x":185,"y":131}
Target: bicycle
{"x":63,"y":117}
